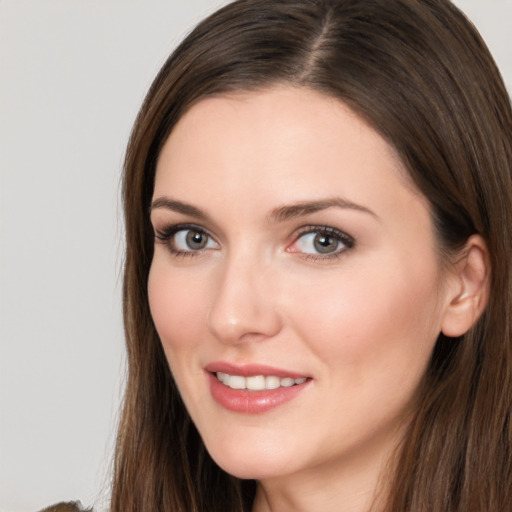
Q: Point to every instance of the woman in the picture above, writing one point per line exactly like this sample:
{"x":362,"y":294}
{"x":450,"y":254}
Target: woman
{"x":318,"y":273}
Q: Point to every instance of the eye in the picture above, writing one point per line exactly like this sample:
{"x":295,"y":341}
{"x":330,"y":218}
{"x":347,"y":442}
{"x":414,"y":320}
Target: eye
{"x":322,"y":242}
{"x":186,"y":239}
{"x":192,"y":240}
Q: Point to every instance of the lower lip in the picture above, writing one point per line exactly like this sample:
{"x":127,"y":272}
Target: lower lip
{"x":252,"y":402}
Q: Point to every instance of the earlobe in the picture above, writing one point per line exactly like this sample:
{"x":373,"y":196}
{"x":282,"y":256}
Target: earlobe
{"x":470,"y":293}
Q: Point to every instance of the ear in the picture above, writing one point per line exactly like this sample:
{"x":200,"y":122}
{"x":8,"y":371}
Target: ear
{"x":469,"y":294}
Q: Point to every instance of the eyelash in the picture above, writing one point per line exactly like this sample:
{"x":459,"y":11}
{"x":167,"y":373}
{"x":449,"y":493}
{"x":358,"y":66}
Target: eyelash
{"x":166,"y":236}
{"x":339,"y":236}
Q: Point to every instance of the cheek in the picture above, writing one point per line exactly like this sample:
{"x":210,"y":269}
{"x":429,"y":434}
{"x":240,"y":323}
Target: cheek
{"x":175,"y":307}
{"x":369,"y":323}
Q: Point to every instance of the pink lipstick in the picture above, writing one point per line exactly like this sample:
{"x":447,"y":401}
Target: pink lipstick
{"x":253,"y":389}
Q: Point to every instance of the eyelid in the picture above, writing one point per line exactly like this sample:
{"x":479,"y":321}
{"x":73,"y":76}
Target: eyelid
{"x":344,"y":238}
{"x":165,"y":235}
{"x":171,"y":229}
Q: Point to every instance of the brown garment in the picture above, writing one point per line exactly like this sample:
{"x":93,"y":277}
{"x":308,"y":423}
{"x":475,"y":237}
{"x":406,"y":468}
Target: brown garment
{"x":70,"y":506}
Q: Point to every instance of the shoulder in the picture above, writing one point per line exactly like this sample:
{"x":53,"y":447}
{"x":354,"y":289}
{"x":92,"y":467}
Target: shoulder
{"x":70,"y":506}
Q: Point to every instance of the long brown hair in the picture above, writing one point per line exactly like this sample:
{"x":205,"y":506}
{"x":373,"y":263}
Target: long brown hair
{"x":418,"y":72}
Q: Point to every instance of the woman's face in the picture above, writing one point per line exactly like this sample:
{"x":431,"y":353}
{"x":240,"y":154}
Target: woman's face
{"x":292,"y":257}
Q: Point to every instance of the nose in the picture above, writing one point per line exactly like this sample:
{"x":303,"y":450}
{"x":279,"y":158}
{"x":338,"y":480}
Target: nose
{"x":244,"y":308}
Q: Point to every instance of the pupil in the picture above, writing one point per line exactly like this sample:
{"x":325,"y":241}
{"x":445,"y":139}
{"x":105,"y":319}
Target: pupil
{"x":196,"y":240}
{"x":325,"y":243}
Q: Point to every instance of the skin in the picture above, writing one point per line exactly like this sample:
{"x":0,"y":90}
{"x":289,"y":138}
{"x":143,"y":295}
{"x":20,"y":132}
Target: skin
{"x":360,"y":322}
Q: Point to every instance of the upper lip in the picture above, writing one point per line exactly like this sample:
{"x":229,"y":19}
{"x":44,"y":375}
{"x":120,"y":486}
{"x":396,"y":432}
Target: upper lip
{"x":250,"y":370}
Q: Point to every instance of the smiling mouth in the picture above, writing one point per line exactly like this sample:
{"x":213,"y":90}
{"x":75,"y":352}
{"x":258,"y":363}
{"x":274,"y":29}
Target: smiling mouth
{"x":257,"y":382}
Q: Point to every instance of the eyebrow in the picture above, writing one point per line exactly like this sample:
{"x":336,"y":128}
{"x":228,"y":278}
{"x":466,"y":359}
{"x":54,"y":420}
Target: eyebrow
{"x":179,"y":207}
{"x":279,"y":214}
{"x":284,"y":213}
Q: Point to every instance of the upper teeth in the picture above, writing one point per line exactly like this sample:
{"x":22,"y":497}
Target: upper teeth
{"x":257,"y":382}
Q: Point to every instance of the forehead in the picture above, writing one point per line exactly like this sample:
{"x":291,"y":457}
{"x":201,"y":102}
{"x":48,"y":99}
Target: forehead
{"x":292,"y":112}
{"x":285,"y":142}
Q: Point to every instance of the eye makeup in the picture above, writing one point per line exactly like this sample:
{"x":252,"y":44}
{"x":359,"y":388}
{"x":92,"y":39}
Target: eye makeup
{"x":321,"y":242}
{"x":185,"y":239}
{"x":313,"y":242}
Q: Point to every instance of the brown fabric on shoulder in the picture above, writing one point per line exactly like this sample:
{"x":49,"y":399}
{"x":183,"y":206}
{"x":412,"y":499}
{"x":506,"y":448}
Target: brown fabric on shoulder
{"x":70,"y":506}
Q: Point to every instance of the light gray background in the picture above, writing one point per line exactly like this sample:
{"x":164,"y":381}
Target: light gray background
{"x":72,"y":76}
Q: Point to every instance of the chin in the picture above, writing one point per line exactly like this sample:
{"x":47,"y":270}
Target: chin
{"x":251,"y":470}
{"x":258,"y":463}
